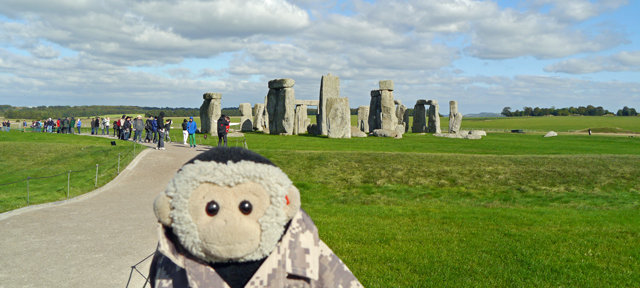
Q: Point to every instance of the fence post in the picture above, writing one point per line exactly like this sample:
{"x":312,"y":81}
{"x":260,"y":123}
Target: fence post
{"x":97,"y":175}
{"x":68,"y":182}
{"x":119,"y":163}
{"x":28,"y":189}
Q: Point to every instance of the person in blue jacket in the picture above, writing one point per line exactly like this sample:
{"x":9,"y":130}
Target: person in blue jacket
{"x":191,"y":129}
{"x":78,"y":125}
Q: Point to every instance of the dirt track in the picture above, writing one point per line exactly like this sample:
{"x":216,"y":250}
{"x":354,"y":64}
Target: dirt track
{"x":94,"y":239}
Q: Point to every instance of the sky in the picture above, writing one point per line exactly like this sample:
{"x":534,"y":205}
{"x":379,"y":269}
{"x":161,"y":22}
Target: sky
{"x":486,"y":55}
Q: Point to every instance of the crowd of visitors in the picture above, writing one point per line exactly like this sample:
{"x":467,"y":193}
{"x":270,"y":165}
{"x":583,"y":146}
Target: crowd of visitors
{"x":156,"y":129}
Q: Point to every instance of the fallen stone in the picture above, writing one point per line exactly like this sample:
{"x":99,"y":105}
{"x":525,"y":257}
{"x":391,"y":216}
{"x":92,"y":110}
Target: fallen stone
{"x":478,"y":132}
{"x":551,"y":134}
{"x":355,"y":132}
{"x":281,"y":83}
{"x":385,"y":133}
{"x":312,"y":129}
{"x":400,"y":129}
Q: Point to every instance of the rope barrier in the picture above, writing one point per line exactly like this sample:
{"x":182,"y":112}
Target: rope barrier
{"x":135,"y":267}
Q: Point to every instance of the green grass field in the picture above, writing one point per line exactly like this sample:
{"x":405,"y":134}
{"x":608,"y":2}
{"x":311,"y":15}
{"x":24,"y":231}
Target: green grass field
{"x":38,"y":155}
{"x":508,"y":210}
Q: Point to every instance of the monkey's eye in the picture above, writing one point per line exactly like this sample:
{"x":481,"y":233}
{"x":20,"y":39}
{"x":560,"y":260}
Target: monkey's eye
{"x":212,"y":208}
{"x":245,"y":207}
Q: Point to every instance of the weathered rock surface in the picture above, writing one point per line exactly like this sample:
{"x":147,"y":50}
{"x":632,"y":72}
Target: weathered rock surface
{"x":400,"y":129}
{"x":281,"y":109}
{"x":478,"y":132}
{"x":307,"y":102}
{"x":246,"y":119}
{"x":551,"y":134}
{"x":386,"y":133}
{"x":258,"y":119}
{"x":402,"y":115}
{"x":433,"y":124}
{"x":386,"y":85}
{"x":455,"y":118}
{"x":356,"y":132}
{"x":375,"y":111}
{"x":281,"y":83}
{"x":459,"y":135}
{"x":301,"y":120}
{"x":422,"y":102}
{"x":363,"y":118}
{"x":338,"y":118}
{"x":329,"y":88}
{"x":388,"y":109}
{"x":312,"y":129}
{"x":419,"y":119}
{"x":210,"y":111}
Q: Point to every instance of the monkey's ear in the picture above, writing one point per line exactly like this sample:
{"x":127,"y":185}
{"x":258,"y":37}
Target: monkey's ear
{"x":293,"y":203}
{"x":162,"y":207}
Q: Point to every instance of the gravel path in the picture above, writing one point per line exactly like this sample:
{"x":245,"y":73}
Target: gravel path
{"x":94,"y":239}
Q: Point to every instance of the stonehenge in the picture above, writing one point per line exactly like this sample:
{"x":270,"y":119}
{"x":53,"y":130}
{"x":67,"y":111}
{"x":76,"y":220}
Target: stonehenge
{"x":280,"y":106}
{"x":301,"y":121}
{"x":246,"y":123}
{"x":258,"y":120}
{"x":329,"y":88}
{"x":402,"y":115}
{"x":455,"y":118}
{"x":363,"y":118}
{"x":338,"y":118}
{"x":382,"y":114}
{"x":210,"y":111}
{"x":420,"y":124}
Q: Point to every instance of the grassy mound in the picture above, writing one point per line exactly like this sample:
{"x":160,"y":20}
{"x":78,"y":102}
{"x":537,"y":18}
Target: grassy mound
{"x":47,"y":158}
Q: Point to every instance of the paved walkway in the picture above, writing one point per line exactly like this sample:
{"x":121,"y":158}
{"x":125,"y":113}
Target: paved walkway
{"x":94,"y":239}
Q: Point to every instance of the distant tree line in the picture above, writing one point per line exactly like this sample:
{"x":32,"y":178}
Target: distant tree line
{"x":590,"y":110}
{"x":626,"y":111}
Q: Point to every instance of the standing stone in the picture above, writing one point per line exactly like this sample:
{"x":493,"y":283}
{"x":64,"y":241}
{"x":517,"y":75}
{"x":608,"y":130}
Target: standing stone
{"x":329,"y":88}
{"x":375,"y":110}
{"x":259,"y":117}
{"x":455,"y":118}
{"x":403,"y":116}
{"x":210,"y":111}
{"x":419,"y":119}
{"x":338,"y":118}
{"x":270,"y":108}
{"x":246,"y":122}
{"x":285,"y":112}
{"x":388,"y":110}
{"x":265,"y":115}
{"x":434,"y":117}
{"x":301,"y":121}
{"x":363,"y":118}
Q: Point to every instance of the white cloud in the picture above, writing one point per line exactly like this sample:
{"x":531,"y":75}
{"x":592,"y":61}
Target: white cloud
{"x":623,"y":61}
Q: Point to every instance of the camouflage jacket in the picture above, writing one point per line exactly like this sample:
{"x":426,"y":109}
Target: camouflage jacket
{"x":301,"y":259}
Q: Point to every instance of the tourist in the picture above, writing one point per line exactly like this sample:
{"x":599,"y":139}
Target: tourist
{"x":72,"y":124}
{"x":79,"y":124}
{"x":121,"y":127}
{"x":106,"y":122}
{"x":65,"y":125}
{"x":138,"y":126}
{"x":154,"y":128}
{"x":93,"y":126}
{"x":185,"y":133}
{"x":115,"y":127}
{"x":223,"y":129}
{"x":24,"y":125}
{"x":126,"y":128}
{"x":148,"y":130}
{"x":191,"y":129}
{"x":589,"y":131}
{"x":97,"y":124}
{"x":167,"y":127}
{"x":161,"y":131}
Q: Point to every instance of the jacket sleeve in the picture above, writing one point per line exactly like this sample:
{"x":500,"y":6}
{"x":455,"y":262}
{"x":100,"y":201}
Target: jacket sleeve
{"x":165,"y":274}
{"x":334,"y":273}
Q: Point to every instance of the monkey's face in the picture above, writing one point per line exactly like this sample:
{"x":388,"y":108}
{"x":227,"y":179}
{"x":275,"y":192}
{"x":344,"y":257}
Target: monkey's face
{"x":227,"y":218}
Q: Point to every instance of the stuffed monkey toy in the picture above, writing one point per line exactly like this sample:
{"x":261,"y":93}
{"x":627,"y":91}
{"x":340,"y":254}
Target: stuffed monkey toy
{"x":231,"y":218}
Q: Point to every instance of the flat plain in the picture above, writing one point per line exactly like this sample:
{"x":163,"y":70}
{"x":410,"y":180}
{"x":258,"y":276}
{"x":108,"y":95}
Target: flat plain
{"x":507,"y":210}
